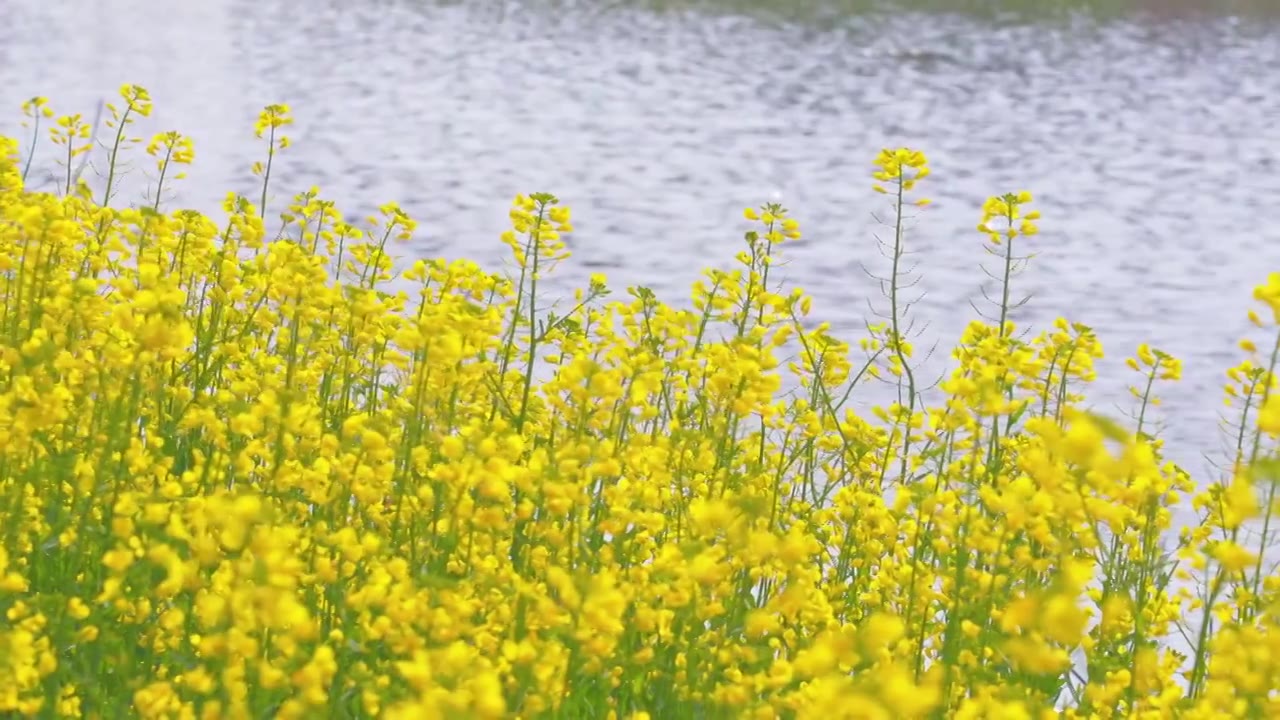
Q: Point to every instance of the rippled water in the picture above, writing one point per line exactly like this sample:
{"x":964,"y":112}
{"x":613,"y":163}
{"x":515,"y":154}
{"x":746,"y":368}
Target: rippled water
{"x":1152,"y":143}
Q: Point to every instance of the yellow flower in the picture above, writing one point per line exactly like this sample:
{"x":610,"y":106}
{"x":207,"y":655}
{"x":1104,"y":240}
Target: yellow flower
{"x":261,"y":467}
{"x":1233,"y":558}
{"x":1269,"y":293}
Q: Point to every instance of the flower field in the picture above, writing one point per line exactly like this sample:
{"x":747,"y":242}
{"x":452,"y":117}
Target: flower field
{"x":246,"y":473}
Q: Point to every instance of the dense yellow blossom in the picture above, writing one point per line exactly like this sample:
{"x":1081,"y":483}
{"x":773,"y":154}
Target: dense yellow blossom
{"x":256,"y":466}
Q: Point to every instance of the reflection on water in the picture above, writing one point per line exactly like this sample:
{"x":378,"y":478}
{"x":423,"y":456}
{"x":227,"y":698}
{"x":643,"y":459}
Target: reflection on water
{"x":1151,"y":142}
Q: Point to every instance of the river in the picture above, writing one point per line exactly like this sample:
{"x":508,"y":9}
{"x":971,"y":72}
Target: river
{"x":1150,"y":138}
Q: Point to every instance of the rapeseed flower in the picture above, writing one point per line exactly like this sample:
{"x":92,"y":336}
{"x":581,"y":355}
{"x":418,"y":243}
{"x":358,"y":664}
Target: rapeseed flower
{"x":250,"y":468}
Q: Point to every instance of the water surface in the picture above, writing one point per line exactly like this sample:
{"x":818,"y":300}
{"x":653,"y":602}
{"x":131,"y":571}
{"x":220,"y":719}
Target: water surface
{"x":1147,"y":131}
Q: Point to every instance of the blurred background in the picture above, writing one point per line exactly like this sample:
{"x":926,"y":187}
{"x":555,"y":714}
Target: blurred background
{"x":1148,"y":130}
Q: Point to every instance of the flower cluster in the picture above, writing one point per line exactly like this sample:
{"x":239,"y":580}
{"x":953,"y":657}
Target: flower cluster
{"x":249,"y":472}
